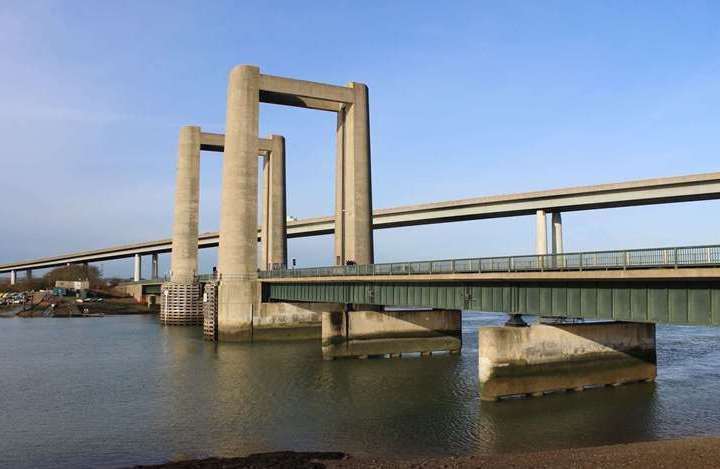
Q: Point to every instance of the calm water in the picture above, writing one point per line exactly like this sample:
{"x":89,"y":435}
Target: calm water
{"x":114,"y":391}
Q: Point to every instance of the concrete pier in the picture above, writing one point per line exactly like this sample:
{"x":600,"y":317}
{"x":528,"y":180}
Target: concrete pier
{"x":154,"y":274}
{"x":274,"y":223}
{"x":544,"y":358}
{"x":181,"y":303}
{"x":137,"y":268}
{"x":13,"y":277}
{"x":237,"y":253}
{"x":369,"y":333}
{"x":541,"y":233}
{"x":557,"y":233}
{"x":353,"y":186}
{"x":184,"y":260}
{"x":290,"y":321}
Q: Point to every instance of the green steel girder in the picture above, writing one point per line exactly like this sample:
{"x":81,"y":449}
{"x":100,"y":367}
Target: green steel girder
{"x":676,"y":302}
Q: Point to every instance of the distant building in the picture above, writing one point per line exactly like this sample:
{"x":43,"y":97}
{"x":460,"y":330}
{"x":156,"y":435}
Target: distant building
{"x":73,"y":284}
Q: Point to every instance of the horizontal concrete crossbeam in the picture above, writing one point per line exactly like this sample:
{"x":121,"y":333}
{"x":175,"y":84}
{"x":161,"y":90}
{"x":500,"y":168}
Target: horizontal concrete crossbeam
{"x":216,"y":143}
{"x":634,"y":193}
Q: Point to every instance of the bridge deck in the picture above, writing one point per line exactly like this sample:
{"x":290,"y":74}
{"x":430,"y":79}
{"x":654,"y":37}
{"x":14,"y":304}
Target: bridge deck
{"x":670,"y":262}
{"x":625,"y":194}
{"x":666,"y":285}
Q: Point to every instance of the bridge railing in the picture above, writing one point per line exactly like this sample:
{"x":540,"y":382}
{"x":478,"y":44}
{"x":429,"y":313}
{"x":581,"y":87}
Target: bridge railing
{"x":671,"y":257}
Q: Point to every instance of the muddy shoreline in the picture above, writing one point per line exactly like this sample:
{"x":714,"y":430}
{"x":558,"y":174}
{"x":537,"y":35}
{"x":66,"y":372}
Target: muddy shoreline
{"x":686,"y":452}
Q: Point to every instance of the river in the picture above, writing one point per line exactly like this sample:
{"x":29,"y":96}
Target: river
{"x":117,"y":391}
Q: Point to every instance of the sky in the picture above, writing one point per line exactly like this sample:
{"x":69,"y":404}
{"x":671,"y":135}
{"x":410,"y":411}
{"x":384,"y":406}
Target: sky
{"x":466,"y":99}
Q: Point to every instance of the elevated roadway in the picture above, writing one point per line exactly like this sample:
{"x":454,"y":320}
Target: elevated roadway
{"x":625,"y":194}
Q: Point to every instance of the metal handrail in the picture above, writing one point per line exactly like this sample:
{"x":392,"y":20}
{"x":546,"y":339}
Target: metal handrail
{"x":669,"y":257}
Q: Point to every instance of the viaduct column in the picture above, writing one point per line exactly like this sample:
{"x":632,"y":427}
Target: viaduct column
{"x":274,"y":225}
{"x":137,"y":268}
{"x":353,"y":196}
{"x":540,"y":233}
{"x":13,"y":277}
{"x":181,"y":295}
{"x":237,"y":253}
{"x":154,"y":272}
{"x":557,"y":235}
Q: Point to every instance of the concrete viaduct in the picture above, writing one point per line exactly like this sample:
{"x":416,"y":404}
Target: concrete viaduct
{"x":623,"y":194}
{"x":362,"y":309}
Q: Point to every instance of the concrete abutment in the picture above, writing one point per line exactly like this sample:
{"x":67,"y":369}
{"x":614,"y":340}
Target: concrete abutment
{"x":545,"y":358}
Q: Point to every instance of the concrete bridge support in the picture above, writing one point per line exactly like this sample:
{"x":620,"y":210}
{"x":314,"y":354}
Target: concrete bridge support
{"x":378,"y":333}
{"x":154,"y":271}
{"x":237,"y":253}
{"x":274,"y":223}
{"x":353,"y":187}
{"x":531,"y":361}
{"x":137,"y":268}
{"x":238,"y":288}
{"x":557,"y":234}
{"x":13,"y":277}
{"x":181,"y":303}
{"x":540,"y":233}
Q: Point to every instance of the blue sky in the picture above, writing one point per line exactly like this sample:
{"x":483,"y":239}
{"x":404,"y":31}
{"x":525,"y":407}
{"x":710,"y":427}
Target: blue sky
{"x":467,"y":99}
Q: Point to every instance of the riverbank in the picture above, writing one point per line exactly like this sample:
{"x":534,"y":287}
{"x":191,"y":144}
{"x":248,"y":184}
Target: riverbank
{"x":68,"y":307}
{"x":686,"y":452}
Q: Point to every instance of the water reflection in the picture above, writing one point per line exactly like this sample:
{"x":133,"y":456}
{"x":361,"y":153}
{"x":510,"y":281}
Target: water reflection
{"x":118,"y":391}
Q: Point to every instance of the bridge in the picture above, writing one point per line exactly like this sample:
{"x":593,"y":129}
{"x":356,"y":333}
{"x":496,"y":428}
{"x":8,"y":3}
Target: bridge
{"x":597,"y":309}
{"x":688,"y":188}
{"x":677,"y":285}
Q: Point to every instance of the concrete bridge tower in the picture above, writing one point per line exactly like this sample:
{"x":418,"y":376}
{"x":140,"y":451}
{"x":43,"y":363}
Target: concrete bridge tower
{"x":238,"y":295}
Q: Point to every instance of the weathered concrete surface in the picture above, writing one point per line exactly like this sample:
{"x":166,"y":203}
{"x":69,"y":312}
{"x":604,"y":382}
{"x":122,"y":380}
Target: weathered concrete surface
{"x":353,"y":186}
{"x":557,"y":233}
{"x":367,"y":333}
{"x":184,"y":259}
{"x":134,"y":290}
{"x":542,"y":358}
{"x":274,"y":222}
{"x":237,"y":254}
{"x":540,"y":232}
{"x":290,"y":321}
{"x":137,"y":268}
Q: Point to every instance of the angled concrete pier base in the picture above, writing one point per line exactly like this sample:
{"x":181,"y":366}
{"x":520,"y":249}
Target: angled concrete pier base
{"x":379,"y":333}
{"x":290,"y":321}
{"x":543,"y":358}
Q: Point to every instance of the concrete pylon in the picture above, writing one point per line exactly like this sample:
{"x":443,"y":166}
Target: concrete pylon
{"x":181,"y":295}
{"x":557,"y":234}
{"x":237,"y":253}
{"x":137,"y":268}
{"x":154,"y":263}
{"x":274,"y":224}
{"x":541,"y":233}
{"x":184,"y":263}
{"x":13,"y":277}
{"x":353,"y":186}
